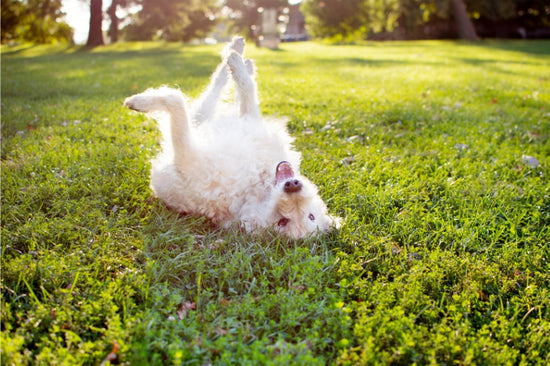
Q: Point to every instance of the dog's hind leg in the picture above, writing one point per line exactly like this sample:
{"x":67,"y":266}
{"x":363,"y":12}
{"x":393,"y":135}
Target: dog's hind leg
{"x":246,"y":86}
{"x":173,"y":102}
{"x":206,"y":104}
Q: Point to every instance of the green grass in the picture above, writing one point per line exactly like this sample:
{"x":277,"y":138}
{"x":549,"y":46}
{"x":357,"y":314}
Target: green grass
{"x":444,"y":253}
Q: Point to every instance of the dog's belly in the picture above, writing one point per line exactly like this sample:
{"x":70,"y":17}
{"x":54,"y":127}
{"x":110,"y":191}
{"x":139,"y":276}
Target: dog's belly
{"x":208,"y":188}
{"x":229,"y":173}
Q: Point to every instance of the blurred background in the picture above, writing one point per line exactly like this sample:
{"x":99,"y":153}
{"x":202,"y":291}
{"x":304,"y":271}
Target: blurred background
{"x":268,"y":22}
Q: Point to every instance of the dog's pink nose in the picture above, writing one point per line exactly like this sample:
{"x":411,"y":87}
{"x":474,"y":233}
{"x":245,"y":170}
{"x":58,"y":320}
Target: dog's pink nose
{"x":292,"y":186}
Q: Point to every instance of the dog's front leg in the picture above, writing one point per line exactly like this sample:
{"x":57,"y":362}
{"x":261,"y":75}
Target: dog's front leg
{"x":206,"y":104}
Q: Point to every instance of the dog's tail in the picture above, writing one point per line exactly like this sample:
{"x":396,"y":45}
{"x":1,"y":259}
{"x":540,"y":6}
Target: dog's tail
{"x":172,"y":102}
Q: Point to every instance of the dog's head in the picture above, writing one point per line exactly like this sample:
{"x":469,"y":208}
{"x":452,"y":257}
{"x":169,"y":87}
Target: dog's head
{"x":298,"y":209}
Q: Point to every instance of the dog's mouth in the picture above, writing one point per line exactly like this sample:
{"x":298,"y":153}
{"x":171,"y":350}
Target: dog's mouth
{"x":284,"y":172}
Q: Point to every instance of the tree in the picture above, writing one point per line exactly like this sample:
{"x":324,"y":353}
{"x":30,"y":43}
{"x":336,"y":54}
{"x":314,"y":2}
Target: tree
{"x":352,"y":19}
{"x":335,"y":18}
{"x":95,"y":34}
{"x":11,"y":18}
{"x":113,"y":31}
{"x":113,"y":27}
{"x":533,"y":13}
{"x":37,"y":21}
{"x":507,"y":18}
{"x":172,"y":20}
{"x":348,"y":20}
{"x":464,"y":24}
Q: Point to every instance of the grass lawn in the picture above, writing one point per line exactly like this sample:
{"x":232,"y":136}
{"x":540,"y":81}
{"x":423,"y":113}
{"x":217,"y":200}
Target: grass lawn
{"x":436,"y":154}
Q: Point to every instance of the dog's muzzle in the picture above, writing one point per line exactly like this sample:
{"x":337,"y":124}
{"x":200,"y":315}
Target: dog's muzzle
{"x":284,"y":173}
{"x":292,"y":186}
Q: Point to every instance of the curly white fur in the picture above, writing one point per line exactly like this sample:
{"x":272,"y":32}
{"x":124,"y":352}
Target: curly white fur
{"x":231,"y":166}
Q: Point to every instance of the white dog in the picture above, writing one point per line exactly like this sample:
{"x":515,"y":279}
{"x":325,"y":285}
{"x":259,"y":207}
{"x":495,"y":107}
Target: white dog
{"x":234,"y":166}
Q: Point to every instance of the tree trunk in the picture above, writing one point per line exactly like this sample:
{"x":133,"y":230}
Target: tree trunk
{"x":113,"y":28}
{"x":464,"y":25}
{"x":95,"y":35}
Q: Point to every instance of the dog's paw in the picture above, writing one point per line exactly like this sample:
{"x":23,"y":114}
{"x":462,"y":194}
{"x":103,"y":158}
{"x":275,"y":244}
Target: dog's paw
{"x":237,"y":45}
{"x":130,"y":102}
{"x":138,"y":103}
{"x":160,"y":99}
{"x":235,"y":62}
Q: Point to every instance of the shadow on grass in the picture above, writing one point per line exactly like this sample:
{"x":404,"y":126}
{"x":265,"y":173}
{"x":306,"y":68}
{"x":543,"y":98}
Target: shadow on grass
{"x":16,"y":51}
{"x":533,"y":47}
{"x":484,"y":54}
{"x":88,"y":73}
{"x":37,"y":50}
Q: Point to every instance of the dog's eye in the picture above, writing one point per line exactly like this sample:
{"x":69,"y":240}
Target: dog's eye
{"x":283,"y":222}
{"x":311,"y":217}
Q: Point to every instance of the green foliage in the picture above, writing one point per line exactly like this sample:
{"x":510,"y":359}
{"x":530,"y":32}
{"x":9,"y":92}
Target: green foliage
{"x":34,"y":21}
{"x":348,"y":21}
{"x":529,"y":14}
{"x":533,"y":13}
{"x":333,"y":18}
{"x":181,"y":20}
{"x":421,"y":147}
{"x":493,"y":10}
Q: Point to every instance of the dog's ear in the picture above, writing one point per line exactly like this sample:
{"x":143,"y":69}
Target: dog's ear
{"x":336,"y":222}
